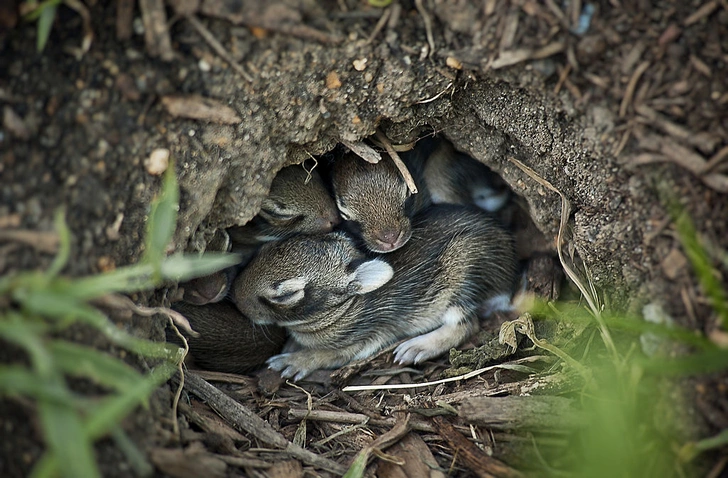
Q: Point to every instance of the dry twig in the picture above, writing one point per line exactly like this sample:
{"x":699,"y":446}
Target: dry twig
{"x":217,"y":46}
{"x":247,"y":421}
{"x":479,"y":463}
{"x":398,"y":162}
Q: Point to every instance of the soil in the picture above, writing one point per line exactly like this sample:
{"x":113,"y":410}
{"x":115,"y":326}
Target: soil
{"x":621,"y":112}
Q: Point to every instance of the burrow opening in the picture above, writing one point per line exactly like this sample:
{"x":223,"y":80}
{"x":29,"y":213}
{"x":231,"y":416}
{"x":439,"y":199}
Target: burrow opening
{"x":443,"y":173}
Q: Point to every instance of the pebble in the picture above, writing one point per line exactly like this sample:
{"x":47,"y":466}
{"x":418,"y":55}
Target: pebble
{"x":157,"y":162}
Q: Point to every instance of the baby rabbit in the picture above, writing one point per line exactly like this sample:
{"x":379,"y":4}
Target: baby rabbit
{"x":228,"y":341}
{"x":375,"y":201}
{"x":340,"y":306}
{"x":298,"y":202}
{"x":455,"y":178}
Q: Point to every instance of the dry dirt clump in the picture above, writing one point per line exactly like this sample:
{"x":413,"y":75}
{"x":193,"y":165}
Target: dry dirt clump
{"x":621,"y":106}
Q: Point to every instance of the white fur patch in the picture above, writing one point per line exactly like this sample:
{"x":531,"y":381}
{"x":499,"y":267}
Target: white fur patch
{"x":371,"y":275}
{"x":499,"y":303}
{"x":486,"y":198}
{"x":287,"y":293}
{"x":454,"y":329}
{"x":345,"y":212}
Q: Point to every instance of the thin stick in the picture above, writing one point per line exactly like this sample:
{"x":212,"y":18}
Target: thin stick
{"x":474,"y":373}
{"x":217,"y":46}
{"x":245,"y":420}
{"x":428,"y":25}
{"x":398,"y":162}
{"x":631,"y":86}
{"x":472,"y":456}
{"x":379,"y":26}
{"x":178,"y":394}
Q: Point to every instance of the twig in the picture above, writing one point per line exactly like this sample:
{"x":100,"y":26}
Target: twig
{"x":701,"y":12}
{"x":469,"y":375}
{"x":399,"y":430}
{"x":42,"y":241}
{"x":156,"y":32}
{"x":428,"y":100}
{"x":363,"y":150}
{"x":629,"y":91}
{"x":180,"y":368}
{"x":117,"y":301}
{"x":124,"y":19}
{"x":428,"y":25}
{"x":217,"y":46}
{"x":416,"y":424}
{"x":398,"y":162}
{"x":565,"y":211}
{"x":472,"y":456}
{"x":379,"y":26}
{"x":245,"y":420}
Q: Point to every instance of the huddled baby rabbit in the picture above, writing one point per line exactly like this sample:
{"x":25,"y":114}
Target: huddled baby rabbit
{"x":339,"y":305}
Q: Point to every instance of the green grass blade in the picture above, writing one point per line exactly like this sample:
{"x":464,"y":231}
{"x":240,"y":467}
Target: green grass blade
{"x":115,"y":408}
{"x":18,"y":380}
{"x":51,"y":304}
{"x":162,"y":219}
{"x":45,"y":23}
{"x":82,"y":361}
{"x":65,"y":436}
{"x":702,"y":266}
{"x":136,"y":458}
{"x":181,"y":268}
{"x":708,"y":361}
{"x":112,"y":410}
{"x":125,"y":279}
{"x":64,"y":244}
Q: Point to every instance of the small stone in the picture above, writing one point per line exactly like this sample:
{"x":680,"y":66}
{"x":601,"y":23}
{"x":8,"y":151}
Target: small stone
{"x":673,"y":264}
{"x":453,"y":62}
{"x":203,"y":65}
{"x":356,"y":120}
{"x":360,"y":64}
{"x":157,"y":162}
{"x":332,"y":81}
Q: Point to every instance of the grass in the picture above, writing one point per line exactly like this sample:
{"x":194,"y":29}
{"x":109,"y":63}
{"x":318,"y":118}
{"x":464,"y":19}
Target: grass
{"x":637,"y":402}
{"x":42,"y":304}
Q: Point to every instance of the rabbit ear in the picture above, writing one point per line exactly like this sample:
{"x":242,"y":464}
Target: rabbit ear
{"x":369,"y":276}
{"x":287,"y":293}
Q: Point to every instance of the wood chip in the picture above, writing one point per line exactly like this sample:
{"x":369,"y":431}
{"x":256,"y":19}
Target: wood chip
{"x":14,"y":124}
{"x":470,"y":455}
{"x":417,"y":457}
{"x":704,"y":142}
{"x":274,"y":16}
{"x":716,"y":159}
{"x":285,"y":469}
{"x":200,"y":108}
{"x":156,"y":33}
{"x":363,"y":150}
{"x":124,"y":19}
{"x":179,"y":464}
{"x":544,"y":413}
{"x":700,"y":65}
{"x":512,"y":57}
{"x":701,"y":13}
